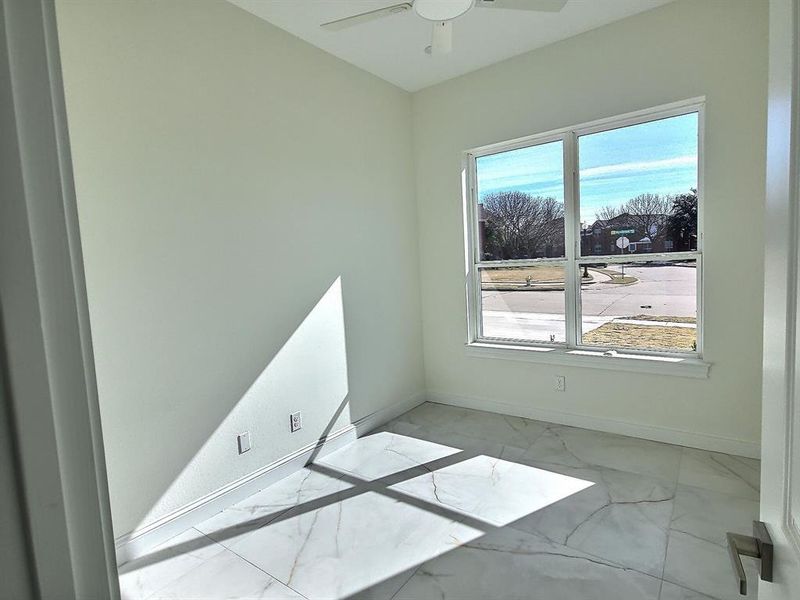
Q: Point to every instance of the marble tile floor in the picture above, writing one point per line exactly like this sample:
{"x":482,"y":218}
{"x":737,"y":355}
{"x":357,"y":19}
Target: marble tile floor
{"x":448,"y":503}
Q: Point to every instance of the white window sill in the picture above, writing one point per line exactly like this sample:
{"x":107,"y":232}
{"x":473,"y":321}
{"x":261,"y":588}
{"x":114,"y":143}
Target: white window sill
{"x":636,"y":363}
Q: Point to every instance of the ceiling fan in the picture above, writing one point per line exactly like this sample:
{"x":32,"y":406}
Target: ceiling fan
{"x":441,"y":14}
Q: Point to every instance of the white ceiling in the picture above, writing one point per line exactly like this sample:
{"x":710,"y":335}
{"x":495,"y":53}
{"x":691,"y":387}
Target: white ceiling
{"x":393,"y":47}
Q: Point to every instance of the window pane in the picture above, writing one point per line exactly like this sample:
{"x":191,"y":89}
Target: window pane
{"x":642,"y":306}
{"x":638,"y":188}
{"x":524,"y":303}
{"x":521,"y":203}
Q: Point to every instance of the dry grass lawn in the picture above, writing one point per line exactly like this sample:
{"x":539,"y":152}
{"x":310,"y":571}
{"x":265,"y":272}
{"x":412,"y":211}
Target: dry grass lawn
{"x":539,"y":274}
{"x":642,"y":337}
{"x":670,"y":319}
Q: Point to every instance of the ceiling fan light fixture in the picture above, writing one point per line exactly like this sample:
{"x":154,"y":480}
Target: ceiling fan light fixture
{"x":441,"y":10}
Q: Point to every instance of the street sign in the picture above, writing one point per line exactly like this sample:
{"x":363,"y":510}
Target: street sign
{"x":623,"y":243}
{"x":622,"y":231}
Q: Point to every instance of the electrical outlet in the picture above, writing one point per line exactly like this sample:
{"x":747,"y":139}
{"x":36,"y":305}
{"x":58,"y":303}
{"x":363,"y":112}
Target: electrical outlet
{"x":295,"y":421}
{"x":244,"y":442}
{"x":561,"y":383}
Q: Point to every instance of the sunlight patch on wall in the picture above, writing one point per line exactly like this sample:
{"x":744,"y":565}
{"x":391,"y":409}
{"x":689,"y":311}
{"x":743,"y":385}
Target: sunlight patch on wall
{"x":309,"y":373}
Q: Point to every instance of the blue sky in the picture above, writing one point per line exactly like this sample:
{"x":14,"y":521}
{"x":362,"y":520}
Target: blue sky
{"x":659,"y":157}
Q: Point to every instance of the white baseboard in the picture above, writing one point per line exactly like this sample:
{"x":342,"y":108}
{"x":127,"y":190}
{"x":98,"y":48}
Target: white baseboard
{"x":138,"y":543}
{"x":704,"y":441}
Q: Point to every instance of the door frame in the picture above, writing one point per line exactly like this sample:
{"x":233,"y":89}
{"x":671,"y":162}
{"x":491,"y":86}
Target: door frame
{"x":46,"y":352}
{"x":780,"y":435}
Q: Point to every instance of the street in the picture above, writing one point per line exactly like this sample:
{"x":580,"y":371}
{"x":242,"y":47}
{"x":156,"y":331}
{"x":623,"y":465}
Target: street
{"x":664,"y":291}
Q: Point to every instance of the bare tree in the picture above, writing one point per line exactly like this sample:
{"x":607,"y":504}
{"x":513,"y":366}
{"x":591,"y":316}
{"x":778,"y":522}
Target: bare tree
{"x":647,"y":213}
{"x":520,"y":225}
{"x":608,"y":212}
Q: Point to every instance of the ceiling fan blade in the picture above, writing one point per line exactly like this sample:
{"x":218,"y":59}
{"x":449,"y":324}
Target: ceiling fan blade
{"x":442,"y":38}
{"x":534,"y":5}
{"x":372,"y":15}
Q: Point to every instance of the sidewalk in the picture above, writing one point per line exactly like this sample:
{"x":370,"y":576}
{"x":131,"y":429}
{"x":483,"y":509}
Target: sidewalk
{"x":539,"y":326}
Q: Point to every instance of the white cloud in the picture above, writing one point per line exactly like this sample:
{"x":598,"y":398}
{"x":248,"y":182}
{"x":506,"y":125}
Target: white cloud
{"x":648,"y":165}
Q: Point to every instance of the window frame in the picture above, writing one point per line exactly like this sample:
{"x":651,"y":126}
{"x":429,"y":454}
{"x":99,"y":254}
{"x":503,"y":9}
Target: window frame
{"x":573,"y":260}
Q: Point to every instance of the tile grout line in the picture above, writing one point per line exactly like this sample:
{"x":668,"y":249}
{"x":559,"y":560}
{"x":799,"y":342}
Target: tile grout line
{"x":685,"y":587}
{"x":669,"y":524}
{"x":193,"y":569}
{"x":414,"y":572}
{"x":672,"y":514}
{"x":232,"y":551}
{"x":720,"y":493}
{"x":265,"y":571}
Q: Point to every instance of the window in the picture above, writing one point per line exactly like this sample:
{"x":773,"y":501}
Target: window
{"x":590,"y":238}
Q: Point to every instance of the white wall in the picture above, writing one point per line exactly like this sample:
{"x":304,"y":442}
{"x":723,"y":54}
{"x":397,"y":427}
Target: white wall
{"x":685,"y":49}
{"x":248,"y":220}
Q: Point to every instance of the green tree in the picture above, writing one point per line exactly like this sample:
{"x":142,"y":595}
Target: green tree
{"x":682,"y":222}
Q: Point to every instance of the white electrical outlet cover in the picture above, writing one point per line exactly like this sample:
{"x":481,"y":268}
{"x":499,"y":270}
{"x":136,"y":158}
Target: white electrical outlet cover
{"x":244,"y":442}
{"x":295,"y":421}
